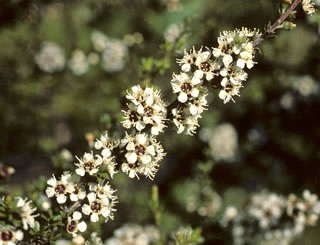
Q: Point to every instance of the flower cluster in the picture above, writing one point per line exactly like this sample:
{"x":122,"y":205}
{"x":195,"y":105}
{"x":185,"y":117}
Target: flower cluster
{"x":191,"y":97}
{"x":146,"y":108}
{"x":143,"y":153}
{"x":135,"y":235}
{"x":234,"y":53}
{"x":51,"y":58}
{"x":269,"y":217}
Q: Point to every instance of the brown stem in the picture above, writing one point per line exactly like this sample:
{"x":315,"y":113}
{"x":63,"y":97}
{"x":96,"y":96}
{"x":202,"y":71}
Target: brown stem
{"x":279,"y":21}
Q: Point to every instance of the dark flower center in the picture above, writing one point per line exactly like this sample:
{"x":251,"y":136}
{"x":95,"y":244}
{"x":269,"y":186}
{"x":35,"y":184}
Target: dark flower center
{"x":133,"y":116}
{"x":60,"y":189}
{"x":186,"y":87}
{"x":88,"y":165}
{"x":148,"y":111}
{"x":6,"y":236}
{"x":139,"y":149}
{"x":95,"y":206}
{"x":205,"y":66}
{"x":72,"y":226}
{"x":228,"y":88}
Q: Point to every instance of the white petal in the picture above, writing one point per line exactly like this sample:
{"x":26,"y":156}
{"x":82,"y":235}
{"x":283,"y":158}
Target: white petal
{"x":183,"y":97}
{"x":140,"y":125}
{"x":151,"y":150}
{"x":141,"y":139}
{"x":209,"y":76}
{"x":140,"y":109}
{"x":82,"y":226}
{"x":61,"y":199}
{"x":227,"y":60}
{"x":74,"y":197}
{"x":80,"y":171}
{"x":241,"y":63}
{"x":94,"y":217}
{"x":186,"y":67}
{"x":131,"y":157}
{"x":86,"y":209}
{"x":52,"y":181}
{"x":146,"y":159}
{"x":106,"y":152}
{"x":50,"y":192}
{"x":77,"y":215}
{"x":91,"y":196}
{"x":195,"y":92}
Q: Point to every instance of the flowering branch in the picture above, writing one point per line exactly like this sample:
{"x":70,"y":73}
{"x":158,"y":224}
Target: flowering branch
{"x":138,"y":152}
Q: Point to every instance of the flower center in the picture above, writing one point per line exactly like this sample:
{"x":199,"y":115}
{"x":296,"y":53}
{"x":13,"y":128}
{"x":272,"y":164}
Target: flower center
{"x":72,"y":226}
{"x":148,"y":111}
{"x":133,"y":117}
{"x":95,"y":206}
{"x":60,"y":189}
{"x":139,"y":149}
{"x":6,"y":236}
{"x":186,"y":87}
{"x":88,"y":165}
{"x":205,"y":66}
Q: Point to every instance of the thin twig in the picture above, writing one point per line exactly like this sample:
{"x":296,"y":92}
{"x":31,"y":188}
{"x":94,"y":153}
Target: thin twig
{"x":279,"y":21}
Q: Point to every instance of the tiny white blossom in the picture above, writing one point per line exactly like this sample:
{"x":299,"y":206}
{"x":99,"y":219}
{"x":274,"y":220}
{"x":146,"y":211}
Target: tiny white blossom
{"x":74,"y":224}
{"x":59,"y":188}
{"x":27,"y":214}
{"x":143,"y":154}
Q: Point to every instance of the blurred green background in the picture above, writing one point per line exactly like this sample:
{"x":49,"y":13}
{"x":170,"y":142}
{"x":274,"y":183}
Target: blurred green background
{"x":274,"y":124}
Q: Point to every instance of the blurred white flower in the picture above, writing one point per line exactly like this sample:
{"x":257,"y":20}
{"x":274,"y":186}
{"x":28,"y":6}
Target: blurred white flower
{"x":51,"y":58}
{"x":305,"y":85}
{"x":134,"y":235}
{"x":114,"y":56}
{"x":99,"y":40}
{"x":223,"y":142}
{"x":172,"y":33}
{"x":78,"y":63}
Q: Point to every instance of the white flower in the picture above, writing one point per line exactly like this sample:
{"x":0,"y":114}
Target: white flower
{"x":97,"y":207}
{"x":114,"y":56}
{"x":51,"y":58}
{"x":188,"y":60}
{"x":10,"y":236}
{"x":143,"y":155}
{"x":28,"y":218}
{"x":185,"y":87}
{"x":173,"y":32}
{"x":74,"y":224}
{"x":135,"y":235}
{"x":185,"y":121}
{"x":308,"y":6}
{"x":205,"y":65}
{"x":78,"y":63}
{"x":103,"y":191}
{"x":99,"y":40}
{"x":59,"y":188}
{"x":88,"y":164}
{"x":229,"y":90}
{"x":146,"y":108}
{"x":77,"y":192}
